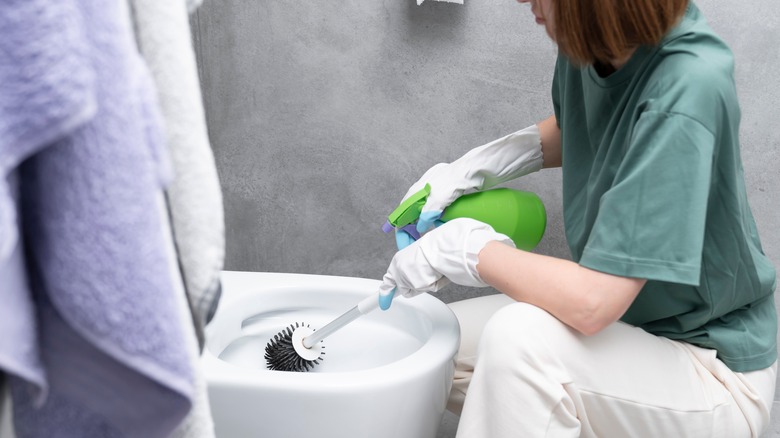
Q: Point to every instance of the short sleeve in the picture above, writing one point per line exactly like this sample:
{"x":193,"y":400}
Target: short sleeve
{"x":651,"y":221}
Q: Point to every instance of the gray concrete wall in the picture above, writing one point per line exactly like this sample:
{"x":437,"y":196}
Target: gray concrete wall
{"x":321,"y":114}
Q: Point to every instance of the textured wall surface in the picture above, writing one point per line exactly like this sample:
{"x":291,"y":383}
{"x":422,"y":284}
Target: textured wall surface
{"x":321,"y":114}
{"x":321,"y":117}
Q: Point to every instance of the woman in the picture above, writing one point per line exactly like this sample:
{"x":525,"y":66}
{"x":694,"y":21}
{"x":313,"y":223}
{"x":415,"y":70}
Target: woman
{"x":663,"y":323}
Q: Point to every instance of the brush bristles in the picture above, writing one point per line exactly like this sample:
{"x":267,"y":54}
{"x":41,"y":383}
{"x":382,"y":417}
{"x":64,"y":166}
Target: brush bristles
{"x":280,"y":354}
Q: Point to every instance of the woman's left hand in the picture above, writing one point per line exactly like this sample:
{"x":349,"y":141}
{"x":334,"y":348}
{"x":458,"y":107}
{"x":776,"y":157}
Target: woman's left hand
{"x":449,"y":253}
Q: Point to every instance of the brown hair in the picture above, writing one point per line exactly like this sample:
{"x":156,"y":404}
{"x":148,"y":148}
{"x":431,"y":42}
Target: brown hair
{"x":588,"y":31}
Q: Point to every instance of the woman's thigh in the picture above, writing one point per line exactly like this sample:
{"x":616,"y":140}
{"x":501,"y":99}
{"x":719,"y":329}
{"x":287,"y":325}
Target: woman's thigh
{"x":622,"y":381}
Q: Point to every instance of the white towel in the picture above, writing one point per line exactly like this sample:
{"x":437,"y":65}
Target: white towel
{"x":194,"y":197}
{"x":198,"y":423}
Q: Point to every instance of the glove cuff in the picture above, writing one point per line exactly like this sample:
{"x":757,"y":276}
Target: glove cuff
{"x":475,"y":242}
{"x":457,"y":258}
{"x":506,"y":158}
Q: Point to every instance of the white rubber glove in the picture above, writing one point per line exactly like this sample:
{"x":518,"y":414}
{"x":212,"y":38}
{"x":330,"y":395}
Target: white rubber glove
{"x":447,"y":254}
{"x":483,"y":167}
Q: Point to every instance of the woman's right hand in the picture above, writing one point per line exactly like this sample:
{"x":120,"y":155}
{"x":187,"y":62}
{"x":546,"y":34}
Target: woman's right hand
{"x":501,"y":160}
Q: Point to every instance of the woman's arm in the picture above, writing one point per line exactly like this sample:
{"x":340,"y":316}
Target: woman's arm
{"x":551,"y":142}
{"x":582,"y":298}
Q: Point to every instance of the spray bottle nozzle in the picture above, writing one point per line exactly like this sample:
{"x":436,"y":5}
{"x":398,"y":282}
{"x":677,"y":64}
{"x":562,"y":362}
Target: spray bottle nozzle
{"x":409,"y":210}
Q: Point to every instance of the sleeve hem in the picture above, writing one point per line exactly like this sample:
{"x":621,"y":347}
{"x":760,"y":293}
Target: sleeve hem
{"x":659,"y":270}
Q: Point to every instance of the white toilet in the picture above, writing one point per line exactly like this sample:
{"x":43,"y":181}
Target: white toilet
{"x":387,"y":374}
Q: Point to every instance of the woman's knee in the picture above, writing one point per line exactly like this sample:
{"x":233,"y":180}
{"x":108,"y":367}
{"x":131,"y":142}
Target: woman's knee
{"x":521,"y":331}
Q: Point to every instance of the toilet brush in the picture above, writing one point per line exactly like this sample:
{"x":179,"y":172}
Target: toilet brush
{"x":520,"y":215}
{"x":299,"y":347}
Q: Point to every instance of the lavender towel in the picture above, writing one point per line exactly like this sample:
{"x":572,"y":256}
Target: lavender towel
{"x":79,"y":129}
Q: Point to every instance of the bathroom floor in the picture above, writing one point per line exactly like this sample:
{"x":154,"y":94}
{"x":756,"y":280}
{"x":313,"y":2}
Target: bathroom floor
{"x":447,"y":429}
{"x":449,"y":424}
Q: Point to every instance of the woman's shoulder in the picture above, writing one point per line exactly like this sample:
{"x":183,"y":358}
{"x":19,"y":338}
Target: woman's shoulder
{"x":692,"y":74}
{"x":693,"y":52}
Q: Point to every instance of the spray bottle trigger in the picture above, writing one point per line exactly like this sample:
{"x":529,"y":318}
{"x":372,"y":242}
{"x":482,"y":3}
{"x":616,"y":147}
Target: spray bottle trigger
{"x":410,"y":209}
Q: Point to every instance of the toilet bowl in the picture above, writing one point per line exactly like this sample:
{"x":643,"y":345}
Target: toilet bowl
{"x":387,"y":374}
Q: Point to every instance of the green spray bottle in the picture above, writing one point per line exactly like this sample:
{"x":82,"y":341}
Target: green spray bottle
{"x":517,"y":214}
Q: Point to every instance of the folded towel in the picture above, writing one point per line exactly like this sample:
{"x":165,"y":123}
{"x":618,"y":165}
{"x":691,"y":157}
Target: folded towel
{"x":194,"y":196}
{"x":85,"y":140}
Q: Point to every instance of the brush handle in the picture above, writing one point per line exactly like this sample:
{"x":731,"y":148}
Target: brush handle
{"x":363,"y":307}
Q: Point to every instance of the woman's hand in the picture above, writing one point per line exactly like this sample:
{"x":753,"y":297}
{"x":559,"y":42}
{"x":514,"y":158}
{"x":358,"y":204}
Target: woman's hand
{"x":447,"y":254}
{"x":501,"y":160}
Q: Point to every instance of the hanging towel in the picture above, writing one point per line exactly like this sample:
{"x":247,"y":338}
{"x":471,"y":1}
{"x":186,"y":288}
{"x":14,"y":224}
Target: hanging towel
{"x":194,"y":196}
{"x":199,"y":422}
{"x":89,"y":158}
{"x":56,"y":83}
{"x":46,"y":89}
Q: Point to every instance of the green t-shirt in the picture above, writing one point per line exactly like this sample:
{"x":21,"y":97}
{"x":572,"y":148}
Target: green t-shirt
{"x":653,"y":188}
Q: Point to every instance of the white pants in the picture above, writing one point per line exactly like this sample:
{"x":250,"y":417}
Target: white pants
{"x":529,"y":375}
